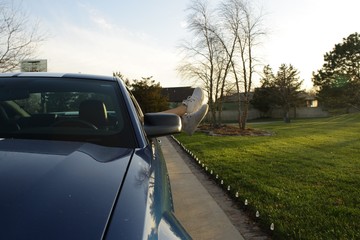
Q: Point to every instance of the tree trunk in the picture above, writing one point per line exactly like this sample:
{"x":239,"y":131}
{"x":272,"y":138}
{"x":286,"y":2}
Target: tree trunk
{"x":219,"y":122}
{"x":244,"y":115}
{"x":287,"y":117}
{"x":213,"y":115}
{"x":239,"y":109}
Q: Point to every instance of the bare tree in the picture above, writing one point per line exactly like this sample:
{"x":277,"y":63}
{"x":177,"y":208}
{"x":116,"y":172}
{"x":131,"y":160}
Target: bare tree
{"x":246,"y":29}
{"x":18,"y":37}
{"x":223,"y":43}
{"x":204,"y":55}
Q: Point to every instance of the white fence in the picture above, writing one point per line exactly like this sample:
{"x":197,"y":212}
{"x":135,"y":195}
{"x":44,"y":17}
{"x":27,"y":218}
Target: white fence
{"x":302,"y":112}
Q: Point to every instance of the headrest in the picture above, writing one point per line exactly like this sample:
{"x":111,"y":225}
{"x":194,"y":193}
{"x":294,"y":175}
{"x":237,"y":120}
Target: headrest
{"x":93,"y":111}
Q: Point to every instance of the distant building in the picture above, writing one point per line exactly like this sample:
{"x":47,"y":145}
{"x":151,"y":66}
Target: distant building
{"x":308,"y":109}
{"x":176,"y":95}
{"x":39,"y":65}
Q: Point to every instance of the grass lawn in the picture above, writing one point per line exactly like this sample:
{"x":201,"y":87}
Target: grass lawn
{"x":305,"y":178}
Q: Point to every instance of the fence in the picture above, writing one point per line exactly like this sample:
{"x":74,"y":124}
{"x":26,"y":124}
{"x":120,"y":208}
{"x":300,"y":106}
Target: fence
{"x":302,"y":112}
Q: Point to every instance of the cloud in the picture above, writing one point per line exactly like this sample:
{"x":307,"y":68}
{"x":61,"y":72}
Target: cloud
{"x":84,"y":39}
{"x":96,"y":16}
{"x":99,"y":20}
{"x":106,"y":48}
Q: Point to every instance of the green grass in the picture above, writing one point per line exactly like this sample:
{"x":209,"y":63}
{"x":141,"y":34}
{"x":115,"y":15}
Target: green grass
{"x":305,"y":178}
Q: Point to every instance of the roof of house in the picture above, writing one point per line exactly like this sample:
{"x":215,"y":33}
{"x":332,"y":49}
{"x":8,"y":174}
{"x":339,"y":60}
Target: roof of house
{"x":177,"y":94}
{"x":234,"y":97}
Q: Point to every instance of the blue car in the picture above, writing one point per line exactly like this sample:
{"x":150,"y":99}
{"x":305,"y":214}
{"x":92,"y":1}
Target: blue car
{"x":79,"y":160}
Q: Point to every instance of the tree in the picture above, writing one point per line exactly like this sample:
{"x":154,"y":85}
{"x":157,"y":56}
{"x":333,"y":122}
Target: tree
{"x":147,"y":93}
{"x":204,"y":58}
{"x":263,"y":100}
{"x":18,"y":37}
{"x":338,"y":80}
{"x":245,"y":26}
{"x":282,"y":89}
{"x":223,"y":43}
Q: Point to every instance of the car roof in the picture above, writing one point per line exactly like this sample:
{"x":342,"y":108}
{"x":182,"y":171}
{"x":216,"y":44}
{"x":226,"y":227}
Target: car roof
{"x":57,"y":75}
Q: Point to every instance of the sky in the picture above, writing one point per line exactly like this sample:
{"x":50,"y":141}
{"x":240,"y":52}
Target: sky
{"x":140,"y":38}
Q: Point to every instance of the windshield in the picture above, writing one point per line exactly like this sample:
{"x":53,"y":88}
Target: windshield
{"x":64,"y":109}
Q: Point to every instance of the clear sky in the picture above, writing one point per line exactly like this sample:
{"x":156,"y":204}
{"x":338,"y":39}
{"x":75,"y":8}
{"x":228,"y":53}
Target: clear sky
{"x":139,"y":38}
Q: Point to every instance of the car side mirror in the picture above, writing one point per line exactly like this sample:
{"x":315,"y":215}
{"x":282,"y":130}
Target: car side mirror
{"x":161,"y":124}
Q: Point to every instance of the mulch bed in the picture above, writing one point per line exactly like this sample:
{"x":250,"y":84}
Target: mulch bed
{"x":229,"y":130}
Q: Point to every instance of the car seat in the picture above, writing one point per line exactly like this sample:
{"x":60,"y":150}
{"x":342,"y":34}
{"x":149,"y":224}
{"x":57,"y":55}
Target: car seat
{"x":94,"y":111}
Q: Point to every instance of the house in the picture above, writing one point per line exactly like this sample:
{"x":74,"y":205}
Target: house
{"x":176,"y":95}
{"x":230,"y":107}
{"x":309,"y":109}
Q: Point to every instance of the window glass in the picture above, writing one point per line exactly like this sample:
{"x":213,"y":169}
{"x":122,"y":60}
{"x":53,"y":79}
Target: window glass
{"x":66,"y":109}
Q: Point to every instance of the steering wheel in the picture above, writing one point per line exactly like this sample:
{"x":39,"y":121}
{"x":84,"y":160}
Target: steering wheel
{"x":74,"y":123}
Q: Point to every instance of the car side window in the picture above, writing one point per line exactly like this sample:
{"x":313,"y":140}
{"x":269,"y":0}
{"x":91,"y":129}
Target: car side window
{"x":137,"y":107}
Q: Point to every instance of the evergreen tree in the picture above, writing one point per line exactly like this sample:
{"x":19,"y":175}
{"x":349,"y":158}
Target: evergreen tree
{"x":147,"y":93}
{"x":338,"y":81}
{"x":281,"y":90}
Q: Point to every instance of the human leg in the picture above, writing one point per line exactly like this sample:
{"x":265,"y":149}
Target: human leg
{"x":191,"y":111}
{"x":179,"y":110}
{"x":189,"y":105}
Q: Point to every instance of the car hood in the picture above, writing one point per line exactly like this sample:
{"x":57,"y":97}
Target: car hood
{"x":58,"y":190}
